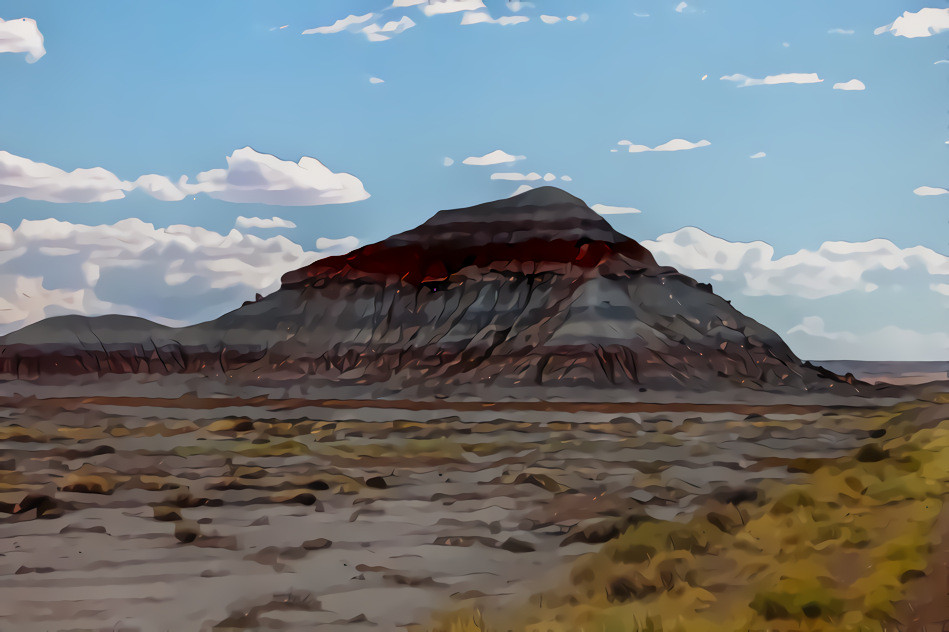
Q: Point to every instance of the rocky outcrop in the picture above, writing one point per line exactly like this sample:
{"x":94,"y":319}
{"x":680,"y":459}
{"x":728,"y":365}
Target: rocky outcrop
{"x":517,"y":296}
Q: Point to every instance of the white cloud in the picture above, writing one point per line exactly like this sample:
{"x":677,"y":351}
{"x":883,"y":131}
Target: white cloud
{"x":22,"y":36}
{"x":676,"y":144}
{"x":495,"y":157}
{"x":760,"y":154}
{"x":160,"y":187}
{"x":440,"y":7}
{"x":549,"y":19}
{"x":528,"y":177}
{"x":923,"y":23}
{"x":446,"y":161}
{"x":641,"y":15}
{"x":888,"y":343}
{"x":941,"y":61}
{"x":23,"y":178}
{"x":566,"y":178}
{"x":263,"y":222}
{"x":522,"y":189}
{"x":250,"y":177}
{"x":480,"y":17}
{"x":834,"y":268}
{"x":603,"y":209}
{"x":839,"y":31}
{"x":744,"y":81}
{"x":853,"y":84}
{"x":682,"y":6}
{"x":340,"y":25}
{"x":175,"y":275}
{"x":925,"y":191}
{"x":376,"y":33}
{"x":254,"y":177}
{"x":375,"y":80}
{"x":329,"y":247}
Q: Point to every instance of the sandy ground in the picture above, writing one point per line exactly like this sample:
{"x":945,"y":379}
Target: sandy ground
{"x":150,"y":518}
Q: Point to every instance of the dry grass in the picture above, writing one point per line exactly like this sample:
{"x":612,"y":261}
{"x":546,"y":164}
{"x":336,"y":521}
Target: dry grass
{"x":840,"y":548}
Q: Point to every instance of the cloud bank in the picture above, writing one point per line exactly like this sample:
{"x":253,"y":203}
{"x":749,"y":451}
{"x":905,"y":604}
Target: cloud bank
{"x":262,"y":222}
{"x":250,"y":177}
{"x":834,"y":268}
{"x":859,"y":288}
{"x":175,"y":275}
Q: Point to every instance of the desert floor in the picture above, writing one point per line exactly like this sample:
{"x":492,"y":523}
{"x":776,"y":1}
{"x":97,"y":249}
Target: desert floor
{"x":120,"y":515}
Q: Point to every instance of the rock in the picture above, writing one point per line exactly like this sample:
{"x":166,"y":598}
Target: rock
{"x":317,"y":544}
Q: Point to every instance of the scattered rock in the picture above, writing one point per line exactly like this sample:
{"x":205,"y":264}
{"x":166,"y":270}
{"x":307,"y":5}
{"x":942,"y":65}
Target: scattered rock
{"x":517,"y":546}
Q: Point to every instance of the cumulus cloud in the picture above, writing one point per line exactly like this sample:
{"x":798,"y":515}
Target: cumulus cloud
{"x":923,"y":23}
{"x":376,"y":80}
{"x":529,"y":177}
{"x":340,"y":25}
{"x":839,"y":31}
{"x":887,"y":343}
{"x":253,"y":177}
{"x":175,"y":275}
{"x":522,"y":189}
{"x":834,"y":268}
{"x":744,"y":81}
{"x":760,"y":154}
{"x":250,"y":177}
{"x":495,"y":157}
{"x":160,"y":187}
{"x":549,"y":19}
{"x":480,"y":17}
{"x":603,"y":209}
{"x":440,"y":7}
{"x":376,"y":33}
{"x":23,"y":178}
{"x":22,"y":36}
{"x":853,"y":84}
{"x":926,"y":191}
{"x":447,"y":161}
{"x":682,"y":6}
{"x":676,"y":144}
{"x":263,"y":222}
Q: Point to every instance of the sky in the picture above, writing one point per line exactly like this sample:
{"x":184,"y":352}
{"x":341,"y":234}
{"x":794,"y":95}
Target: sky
{"x":171,"y":159}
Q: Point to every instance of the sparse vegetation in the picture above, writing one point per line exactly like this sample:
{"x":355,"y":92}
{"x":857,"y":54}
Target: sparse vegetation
{"x":838,"y":548}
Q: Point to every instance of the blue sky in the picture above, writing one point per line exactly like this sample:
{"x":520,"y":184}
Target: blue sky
{"x":173,"y":88}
